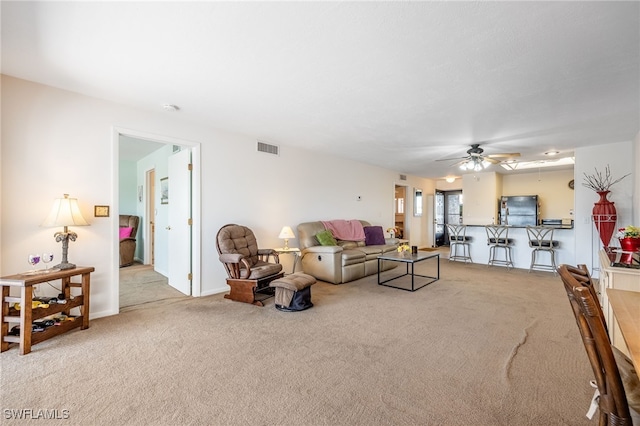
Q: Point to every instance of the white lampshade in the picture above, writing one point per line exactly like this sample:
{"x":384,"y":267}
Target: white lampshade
{"x":286,"y":233}
{"x":65,"y":212}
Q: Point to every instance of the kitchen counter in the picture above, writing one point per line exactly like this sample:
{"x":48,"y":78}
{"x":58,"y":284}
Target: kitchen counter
{"x":524,"y":227}
{"x":520,"y":251}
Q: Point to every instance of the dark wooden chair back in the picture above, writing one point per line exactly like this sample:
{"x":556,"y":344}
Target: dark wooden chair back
{"x":612,"y":402}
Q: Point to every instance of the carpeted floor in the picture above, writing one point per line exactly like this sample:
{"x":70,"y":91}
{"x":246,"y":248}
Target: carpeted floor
{"x":482,"y":346}
{"x":140,"y":284}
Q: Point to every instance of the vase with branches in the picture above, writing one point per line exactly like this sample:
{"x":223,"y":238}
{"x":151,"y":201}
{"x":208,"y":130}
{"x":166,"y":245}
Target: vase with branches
{"x":604,"y":211}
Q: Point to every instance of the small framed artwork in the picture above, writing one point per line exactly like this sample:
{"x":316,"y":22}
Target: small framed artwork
{"x":101,"y":211}
{"x":164,"y":190}
{"x":140,"y":193}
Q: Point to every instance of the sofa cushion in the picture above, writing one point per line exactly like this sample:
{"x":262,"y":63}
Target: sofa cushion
{"x":125,"y":232}
{"x":373,"y":236}
{"x":347,"y":245}
{"x":326,"y":238}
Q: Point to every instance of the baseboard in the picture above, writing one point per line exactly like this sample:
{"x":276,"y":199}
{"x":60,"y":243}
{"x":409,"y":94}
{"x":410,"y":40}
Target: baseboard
{"x":213,"y":291}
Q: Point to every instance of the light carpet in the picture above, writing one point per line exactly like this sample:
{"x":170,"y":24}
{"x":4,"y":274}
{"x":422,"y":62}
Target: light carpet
{"x":140,"y":284}
{"x":482,"y":346}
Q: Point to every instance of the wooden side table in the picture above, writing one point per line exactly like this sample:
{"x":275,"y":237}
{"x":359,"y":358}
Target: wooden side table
{"x":26,"y":314}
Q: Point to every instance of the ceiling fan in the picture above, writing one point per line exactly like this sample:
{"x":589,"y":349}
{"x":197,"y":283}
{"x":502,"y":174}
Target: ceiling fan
{"x":476,"y":160}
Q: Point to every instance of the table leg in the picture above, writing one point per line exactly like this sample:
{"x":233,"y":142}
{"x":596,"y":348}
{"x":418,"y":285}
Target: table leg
{"x":66,"y":290}
{"x":4,"y":325}
{"x":84,"y":308}
{"x":26,"y":319}
{"x":412,"y":277}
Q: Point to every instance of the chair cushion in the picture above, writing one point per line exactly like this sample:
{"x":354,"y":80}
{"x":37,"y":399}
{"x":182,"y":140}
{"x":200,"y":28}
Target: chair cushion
{"x":373,"y":236}
{"x":326,"y":238}
{"x":263,"y":269}
{"x":238,"y":239}
{"x":294,"y":282}
{"x":125,"y":232}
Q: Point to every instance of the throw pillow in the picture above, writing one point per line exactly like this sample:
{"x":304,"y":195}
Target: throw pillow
{"x":125,"y":232}
{"x":374,"y":236}
{"x":325,"y":238}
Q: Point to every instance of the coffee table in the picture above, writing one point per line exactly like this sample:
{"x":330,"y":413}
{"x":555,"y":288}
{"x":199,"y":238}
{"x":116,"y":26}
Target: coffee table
{"x":410,"y":260}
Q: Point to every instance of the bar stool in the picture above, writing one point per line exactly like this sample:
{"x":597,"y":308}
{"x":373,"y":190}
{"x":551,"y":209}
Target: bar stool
{"x":498,"y":238}
{"x":458,"y":238}
{"x":541,"y":240}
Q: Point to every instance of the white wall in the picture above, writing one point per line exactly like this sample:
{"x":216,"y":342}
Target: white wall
{"x":636,"y":181}
{"x":56,"y":142}
{"x":619,"y":157}
{"x":481,"y":192}
{"x":128,"y":188}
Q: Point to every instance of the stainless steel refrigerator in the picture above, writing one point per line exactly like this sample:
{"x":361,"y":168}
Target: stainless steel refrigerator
{"x":520,"y":210}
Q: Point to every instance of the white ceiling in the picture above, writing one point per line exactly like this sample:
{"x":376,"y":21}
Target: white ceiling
{"x":394,"y":84}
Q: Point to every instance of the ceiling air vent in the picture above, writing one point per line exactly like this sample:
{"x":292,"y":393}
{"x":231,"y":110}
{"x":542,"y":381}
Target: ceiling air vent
{"x":403,"y":177}
{"x":268,"y":148}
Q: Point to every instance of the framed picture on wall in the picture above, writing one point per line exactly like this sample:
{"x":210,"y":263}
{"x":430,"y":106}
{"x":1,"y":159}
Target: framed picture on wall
{"x":164,"y":190}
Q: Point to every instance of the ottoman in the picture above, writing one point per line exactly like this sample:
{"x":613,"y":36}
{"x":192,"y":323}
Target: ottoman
{"x":293,"y":292}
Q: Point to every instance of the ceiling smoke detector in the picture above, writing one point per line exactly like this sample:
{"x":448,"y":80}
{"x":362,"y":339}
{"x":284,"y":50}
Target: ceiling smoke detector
{"x":169,"y":107}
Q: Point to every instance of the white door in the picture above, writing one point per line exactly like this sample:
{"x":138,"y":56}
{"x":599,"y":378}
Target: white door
{"x":179,"y":221}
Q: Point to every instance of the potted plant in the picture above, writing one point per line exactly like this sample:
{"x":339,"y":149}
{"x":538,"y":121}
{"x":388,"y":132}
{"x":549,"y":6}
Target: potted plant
{"x":393,"y":231}
{"x":629,"y":238}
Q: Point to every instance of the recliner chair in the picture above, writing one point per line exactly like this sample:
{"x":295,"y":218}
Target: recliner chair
{"x":128,"y":244}
{"x":247,"y":266}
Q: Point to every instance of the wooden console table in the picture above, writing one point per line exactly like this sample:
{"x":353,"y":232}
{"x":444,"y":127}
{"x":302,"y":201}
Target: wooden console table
{"x":26,"y":315}
{"x":613,"y":277}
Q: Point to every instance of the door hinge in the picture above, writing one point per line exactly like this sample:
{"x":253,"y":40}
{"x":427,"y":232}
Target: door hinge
{"x":189,"y":276}
{"x":190,"y":167}
{"x":189,"y":221}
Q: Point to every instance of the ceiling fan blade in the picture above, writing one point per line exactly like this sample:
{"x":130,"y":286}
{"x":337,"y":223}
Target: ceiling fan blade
{"x":491,"y":160}
{"x":451,"y":159}
{"x":506,"y":154}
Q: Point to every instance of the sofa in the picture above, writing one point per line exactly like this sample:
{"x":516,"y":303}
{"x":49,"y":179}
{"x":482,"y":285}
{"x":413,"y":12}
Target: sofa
{"x":345,"y":261}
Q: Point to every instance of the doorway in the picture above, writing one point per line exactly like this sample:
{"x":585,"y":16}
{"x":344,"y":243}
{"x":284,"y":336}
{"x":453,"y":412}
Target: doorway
{"x":400,"y":212}
{"x":448,"y":210}
{"x":147,"y":198}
